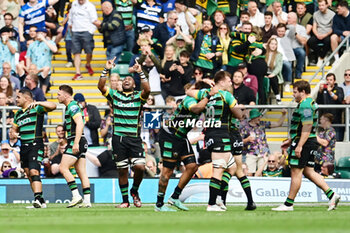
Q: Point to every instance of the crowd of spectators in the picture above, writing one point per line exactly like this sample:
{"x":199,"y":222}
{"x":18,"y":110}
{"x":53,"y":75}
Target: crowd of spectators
{"x":178,"y":43}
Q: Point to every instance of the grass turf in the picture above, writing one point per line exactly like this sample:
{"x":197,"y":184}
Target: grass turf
{"x":105,"y":218}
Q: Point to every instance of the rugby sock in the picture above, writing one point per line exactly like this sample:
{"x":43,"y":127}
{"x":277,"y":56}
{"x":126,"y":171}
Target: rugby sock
{"x":224,"y":185}
{"x":86,"y":192}
{"x":160,"y":199}
{"x":246,"y":187}
{"x":214,"y":190}
{"x":289,"y":202}
{"x":38,"y":196}
{"x":329,"y":193}
{"x":176,"y":193}
{"x":134,"y":189}
{"x":124,"y":191}
{"x":74,"y":188}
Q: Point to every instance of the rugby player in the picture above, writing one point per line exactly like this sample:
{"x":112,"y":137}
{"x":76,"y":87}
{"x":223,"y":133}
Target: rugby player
{"x":303,"y":146}
{"x":77,"y":145}
{"x":28,"y":122}
{"x":126,"y":141}
{"x":175,"y":147}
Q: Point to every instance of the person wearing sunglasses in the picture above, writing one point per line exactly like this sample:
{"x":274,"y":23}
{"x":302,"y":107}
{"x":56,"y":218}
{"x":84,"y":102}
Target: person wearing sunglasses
{"x":346,"y":87}
{"x":272,"y":167}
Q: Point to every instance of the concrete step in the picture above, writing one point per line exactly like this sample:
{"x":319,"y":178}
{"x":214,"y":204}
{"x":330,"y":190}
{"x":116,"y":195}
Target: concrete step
{"x":63,"y":57}
{"x":71,"y":70}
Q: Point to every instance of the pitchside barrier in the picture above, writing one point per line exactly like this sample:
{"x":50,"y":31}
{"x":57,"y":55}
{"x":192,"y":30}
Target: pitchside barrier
{"x":264,"y":190}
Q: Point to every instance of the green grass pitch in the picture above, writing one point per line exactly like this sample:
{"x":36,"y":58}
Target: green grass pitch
{"x":104,"y":218}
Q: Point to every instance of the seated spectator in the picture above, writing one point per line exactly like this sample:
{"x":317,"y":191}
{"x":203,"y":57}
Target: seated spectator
{"x":9,"y":154}
{"x":105,"y":163}
{"x":225,"y":39}
{"x":5,"y":166}
{"x":6,"y":88}
{"x":148,"y":12}
{"x":243,"y":94}
{"x":326,"y":137}
{"x":6,"y":72}
{"x":54,"y":146}
{"x":268,"y":29}
{"x":279,"y":16}
{"x":274,"y":60}
{"x":40,"y":53}
{"x":256,"y":17}
{"x":9,"y":113}
{"x":56,"y":157}
{"x":22,"y":70}
{"x":319,"y":42}
{"x":31,"y":83}
{"x":327,"y":170}
{"x":253,"y":132}
{"x":8,"y":49}
{"x":13,"y":139}
{"x":106,"y":128}
{"x":330,"y":93}
{"x":186,"y":21}
{"x":340,"y":26}
{"x":346,"y":86}
{"x":249,"y":80}
{"x":164,"y":31}
{"x":271,"y":167}
{"x":304,"y":18}
{"x":151,"y":164}
{"x":92,"y":120}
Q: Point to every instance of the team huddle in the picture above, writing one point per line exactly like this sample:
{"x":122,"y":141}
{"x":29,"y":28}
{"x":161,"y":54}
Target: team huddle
{"x":212,"y":98}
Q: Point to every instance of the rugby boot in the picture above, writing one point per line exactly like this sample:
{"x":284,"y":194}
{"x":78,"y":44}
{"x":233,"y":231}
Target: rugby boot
{"x":75,"y":201}
{"x":177,"y":203}
{"x":163,"y":208}
{"x":333,"y":202}
{"x":137,"y":200}
{"x":214,"y":208}
{"x":85,"y":205}
{"x":283,"y":207}
{"x":123,"y":205}
{"x":220,"y":203}
{"x":250,"y":206}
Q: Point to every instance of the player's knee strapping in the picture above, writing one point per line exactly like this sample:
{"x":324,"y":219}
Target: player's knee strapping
{"x":189,"y":159}
{"x":35,"y":178}
{"x":170,"y":165}
{"x":138,"y":161}
{"x":219,"y":163}
{"x":122,"y":164}
{"x":231,"y":161}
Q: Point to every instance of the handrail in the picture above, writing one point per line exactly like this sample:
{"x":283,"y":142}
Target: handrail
{"x":345,"y":40}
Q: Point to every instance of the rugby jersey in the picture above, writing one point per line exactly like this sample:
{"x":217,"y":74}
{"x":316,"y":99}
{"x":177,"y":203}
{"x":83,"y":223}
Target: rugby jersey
{"x":147,"y":15}
{"x":125,"y":8}
{"x":73,"y":110}
{"x":305,"y":113}
{"x":275,"y":173}
{"x":34,"y":15}
{"x":202,"y":60}
{"x":30,"y":123}
{"x":126,"y":112}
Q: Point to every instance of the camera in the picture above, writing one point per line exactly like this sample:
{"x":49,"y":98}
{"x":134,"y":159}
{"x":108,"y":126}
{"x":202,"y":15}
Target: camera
{"x":14,"y":173}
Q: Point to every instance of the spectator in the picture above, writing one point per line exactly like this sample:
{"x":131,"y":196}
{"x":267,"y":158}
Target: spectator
{"x":83,"y":21}
{"x":92,"y":120}
{"x":197,"y":75}
{"x":52,"y":25}
{"x":32,"y":14}
{"x":243,"y":94}
{"x":146,"y":33}
{"x":115,"y":82}
{"x":23,"y":71}
{"x":67,"y":34}
{"x":8,"y":17}
{"x":249,"y":80}
{"x":11,"y":7}
{"x":274,"y":60}
{"x":148,"y":12}
{"x":54,"y":146}
{"x":12,"y":140}
{"x":284,"y":47}
{"x":244,"y":17}
{"x":164,"y":31}
{"x":330,"y":93}
{"x":253,"y":132}
{"x":341,"y":25}
{"x":304,"y":18}
{"x":56,"y":157}
{"x":256,"y":17}
{"x":6,"y":88}
{"x":279,"y":16}
{"x":40,"y":54}
{"x":299,"y":40}
{"x":151,"y":164}
{"x":9,"y":154}
{"x":219,"y":19}
{"x":327,"y":170}
{"x":207,"y":49}
{"x":8,"y":48}
{"x":113,"y":30}
{"x":180,"y":42}
{"x":225,"y":39}
{"x":9,"y":113}
{"x":326,"y":137}
{"x":268,"y":29}
{"x":105,"y":163}
{"x":6,"y":72}
{"x":31,"y":83}
{"x":5,"y":166}
{"x":319,"y":42}
{"x":107,"y":127}
{"x":273,"y":167}
{"x":346,"y":86}
{"x":186,"y":21}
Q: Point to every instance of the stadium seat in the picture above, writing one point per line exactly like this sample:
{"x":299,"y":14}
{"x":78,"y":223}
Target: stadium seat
{"x":343,"y":164}
{"x":121,"y":69}
{"x":344,"y":174}
{"x":125,"y":57}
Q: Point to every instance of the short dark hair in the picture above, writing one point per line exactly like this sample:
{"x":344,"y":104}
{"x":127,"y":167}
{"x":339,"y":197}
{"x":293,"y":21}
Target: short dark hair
{"x":322,"y":1}
{"x":302,"y":85}
{"x":238,"y":71}
{"x":8,"y":14}
{"x":331,"y":74}
{"x":25,"y":91}
{"x":184,"y":53}
{"x":247,"y":23}
{"x":329,"y":116}
{"x":66,"y":88}
{"x":268,"y":13}
{"x":301,"y":3}
{"x":341,"y":3}
{"x":281,"y":25}
{"x":244,"y":13}
{"x":220,"y":75}
{"x":200,"y":85}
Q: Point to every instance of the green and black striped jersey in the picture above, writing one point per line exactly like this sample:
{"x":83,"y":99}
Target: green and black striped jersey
{"x":73,"y":110}
{"x":305,"y":113}
{"x":125,"y":8}
{"x":126,"y":111}
{"x":180,"y":122}
{"x":275,"y":173}
{"x":30,"y":123}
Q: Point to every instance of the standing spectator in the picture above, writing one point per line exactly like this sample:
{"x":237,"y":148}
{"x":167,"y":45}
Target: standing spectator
{"x":40,"y":53}
{"x":31,"y":83}
{"x":11,"y":7}
{"x":113,"y":30}
{"x":6,"y":88}
{"x":244,"y":17}
{"x":92,"y":120}
{"x":225,"y":39}
{"x":83,"y":21}
{"x":274,"y":60}
{"x":9,"y":113}
{"x":268,"y":29}
{"x":207,"y":49}
{"x":346,"y":86}
{"x":330,"y":93}
{"x":6,"y":72}
{"x":341,"y":25}
{"x":147,"y":34}
{"x":219,"y":19}
{"x":67,"y":34}
{"x":322,"y":30}
{"x":148,"y":12}
{"x":164,"y":31}
{"x":125,"y":8}
{"x":186,"y":21}
{"x":8,"y":48}
{"x":299,"y":40}
{"x":249,"y":80}
{"x":32,"y":14}
{"x":326,"y":137}
{"x":8,"y":17}
{"x":254,"y":138}
{"x":181,"y":42}
{"x":243,"y":94}
{"x":279,"y":16}
{"x":256,"y":17}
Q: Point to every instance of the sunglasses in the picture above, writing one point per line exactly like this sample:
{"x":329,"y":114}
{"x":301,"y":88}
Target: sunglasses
{"x":271,"y":161}
{"x":7,"y":166}
{"x":197,"y":73}
{"x":223,"y":28}
{"x":346,"y":74}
